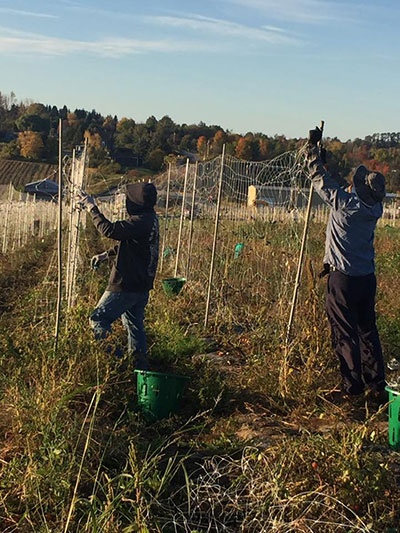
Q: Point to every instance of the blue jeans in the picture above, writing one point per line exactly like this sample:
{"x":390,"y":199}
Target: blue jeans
{"x":130,"y":307}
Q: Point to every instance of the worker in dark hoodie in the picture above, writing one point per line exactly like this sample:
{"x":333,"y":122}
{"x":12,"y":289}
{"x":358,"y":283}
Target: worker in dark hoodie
{"x":135,"y":258}
{"x":349,"y":264}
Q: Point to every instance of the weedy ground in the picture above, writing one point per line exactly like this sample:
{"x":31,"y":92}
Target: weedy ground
{"x":257,"y":446}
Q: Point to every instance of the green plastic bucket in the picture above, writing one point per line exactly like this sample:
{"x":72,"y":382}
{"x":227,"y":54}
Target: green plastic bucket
{"x":159,"y":395}
{"x":173,"y":286}
{"x":394,"y":418}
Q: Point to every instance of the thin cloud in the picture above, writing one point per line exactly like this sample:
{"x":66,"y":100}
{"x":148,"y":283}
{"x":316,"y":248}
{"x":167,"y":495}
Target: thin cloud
{"x":71,"y":6}
{"x":196,"y":22}
{"x":10,"y":11}
{"x":302,"y":11}
{"x":17,"y":42}
{"x":275,"y":28}
{"x":224,"y":28}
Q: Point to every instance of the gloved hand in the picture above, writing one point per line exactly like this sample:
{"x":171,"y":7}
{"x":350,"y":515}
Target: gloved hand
{"x":96,"y":260}
{"x":86,"y":201}
{"x":314,"y":136}
{"x":312,"y":158}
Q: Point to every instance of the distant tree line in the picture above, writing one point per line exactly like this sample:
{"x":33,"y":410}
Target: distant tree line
{"x":28,"y":130}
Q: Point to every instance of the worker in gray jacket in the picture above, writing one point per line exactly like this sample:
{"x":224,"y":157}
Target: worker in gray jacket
{"x":349,"y":263}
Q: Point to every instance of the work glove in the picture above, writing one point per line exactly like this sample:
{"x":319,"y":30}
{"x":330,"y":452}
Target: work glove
{"x":313,"y":160}
{"x":86,"y":201}
{"x":314,"y":136}
{"x":96,"y":260}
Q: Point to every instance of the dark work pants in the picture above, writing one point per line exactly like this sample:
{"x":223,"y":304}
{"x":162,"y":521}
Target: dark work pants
{"x":350,"y":305}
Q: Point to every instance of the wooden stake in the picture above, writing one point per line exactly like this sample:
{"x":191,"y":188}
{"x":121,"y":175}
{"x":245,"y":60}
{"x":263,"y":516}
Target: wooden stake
{"x":178,"y":249}
{"x":59,"y":238}
{"x":71,"y":191}
{"x":192,"y":218}
{"x":301,"y":259}
{"x":165,"y":218}
{"x":6,"y":219}
{"x":214,"y":248}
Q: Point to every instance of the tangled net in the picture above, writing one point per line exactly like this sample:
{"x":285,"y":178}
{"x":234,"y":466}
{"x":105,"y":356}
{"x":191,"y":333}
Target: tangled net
{"x":246,"y":494}
{"x":260,"y":225}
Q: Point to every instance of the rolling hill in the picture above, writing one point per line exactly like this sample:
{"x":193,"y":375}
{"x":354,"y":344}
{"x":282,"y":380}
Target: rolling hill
{"x":22,"y":172}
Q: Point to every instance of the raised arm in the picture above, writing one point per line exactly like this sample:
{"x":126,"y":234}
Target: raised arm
{"x":327,"y":187}
{"x":119,"y":231}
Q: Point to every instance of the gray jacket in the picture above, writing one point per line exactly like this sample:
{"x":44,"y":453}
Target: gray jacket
{"x":349,"y":245}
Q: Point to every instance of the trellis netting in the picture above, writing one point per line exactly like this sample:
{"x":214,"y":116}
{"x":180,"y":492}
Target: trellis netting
{"x":75,"y":171}
{"x":25,"y":218}
{"x":259,"y":220}
{"x":22,"y":217}
{"x":259,"y":224}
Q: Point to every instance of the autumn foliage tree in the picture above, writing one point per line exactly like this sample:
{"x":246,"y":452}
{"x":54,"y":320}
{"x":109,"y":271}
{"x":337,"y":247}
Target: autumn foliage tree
{"x":94,"y":140}
{"x":30,"y":144}
{"x":202,"y":145}
{"x":218,"y":141}
{"x":72,"y":119}
{"x":244,"y":149}
{"x":263,"y":149}
{"x":30,"y":130}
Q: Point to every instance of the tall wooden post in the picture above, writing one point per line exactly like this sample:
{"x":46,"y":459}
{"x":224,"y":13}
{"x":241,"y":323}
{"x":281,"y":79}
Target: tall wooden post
{"x":59,"y":238}
{"x":301,"y":258}
{"x":71,"y":203}
{"x":165,"y":218}
{"x":192,"y":218}
{"x":214,"y":248}
{"x":6,"y":219}
{"x":178,"y":249}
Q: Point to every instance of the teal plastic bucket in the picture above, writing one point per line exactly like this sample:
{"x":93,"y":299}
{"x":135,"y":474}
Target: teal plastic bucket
{"x":238,"y":249}
{"x":394,"y":418}
{"x":173,"y":286}
{"x":159,"y":395}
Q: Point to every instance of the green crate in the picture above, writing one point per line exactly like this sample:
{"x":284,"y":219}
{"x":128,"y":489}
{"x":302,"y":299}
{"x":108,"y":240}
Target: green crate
{"x":394,"y":418}
{"x":159,"y":395}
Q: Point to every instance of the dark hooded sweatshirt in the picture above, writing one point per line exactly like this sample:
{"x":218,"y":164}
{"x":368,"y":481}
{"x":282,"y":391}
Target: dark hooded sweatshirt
{"x":136,"y":253}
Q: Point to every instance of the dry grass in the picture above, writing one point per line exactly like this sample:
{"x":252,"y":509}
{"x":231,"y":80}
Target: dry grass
{"x":77,"y":457}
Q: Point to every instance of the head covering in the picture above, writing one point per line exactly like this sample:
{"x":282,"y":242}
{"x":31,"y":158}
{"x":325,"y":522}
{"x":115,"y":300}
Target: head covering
{"x":140,"y":197}
{"x":369,"y":185}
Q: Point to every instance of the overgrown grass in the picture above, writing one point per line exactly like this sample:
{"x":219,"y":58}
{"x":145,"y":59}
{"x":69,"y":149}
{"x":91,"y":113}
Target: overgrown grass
{"x":77,"y":456}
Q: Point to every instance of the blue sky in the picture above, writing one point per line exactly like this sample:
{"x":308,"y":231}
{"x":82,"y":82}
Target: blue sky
{"x":276,"y":66}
